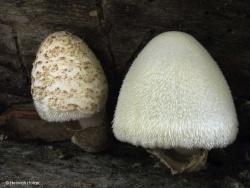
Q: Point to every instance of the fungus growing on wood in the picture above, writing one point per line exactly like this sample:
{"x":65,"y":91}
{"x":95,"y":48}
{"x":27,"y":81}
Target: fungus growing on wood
{"x":175,"y":102}
{"x":68,"y":82}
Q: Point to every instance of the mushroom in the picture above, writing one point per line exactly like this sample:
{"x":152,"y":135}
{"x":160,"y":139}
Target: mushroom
{"x":68,"y":83}
{"x":176,"y":103}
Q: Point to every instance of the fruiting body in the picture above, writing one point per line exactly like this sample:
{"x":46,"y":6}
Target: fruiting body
{"x":68,"y":82}
{"x":175,"y":96}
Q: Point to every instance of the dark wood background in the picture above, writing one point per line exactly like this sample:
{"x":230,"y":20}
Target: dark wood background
{"x":117,"y":31}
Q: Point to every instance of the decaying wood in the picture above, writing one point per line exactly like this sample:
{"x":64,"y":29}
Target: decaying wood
{"x":22,"y":122}
{"x":64,"y":165}
{"x":116,"y":31}
{"x":19,"y":112}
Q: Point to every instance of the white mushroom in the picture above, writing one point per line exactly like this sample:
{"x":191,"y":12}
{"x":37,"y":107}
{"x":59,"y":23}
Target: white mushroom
{"x":174,"y":96}
{"x":68,"y":82}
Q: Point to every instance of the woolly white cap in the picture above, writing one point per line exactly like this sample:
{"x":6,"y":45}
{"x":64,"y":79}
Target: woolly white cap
{"x":68,"y":82}
{"x":175,"y":95}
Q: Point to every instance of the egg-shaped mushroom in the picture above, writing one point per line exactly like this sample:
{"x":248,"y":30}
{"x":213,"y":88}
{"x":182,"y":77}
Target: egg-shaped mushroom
{"x":68,"y":82}
{"x":175,"y":102}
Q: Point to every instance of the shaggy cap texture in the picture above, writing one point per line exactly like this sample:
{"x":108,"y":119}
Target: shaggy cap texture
{"x":175,"y":95}
{"x":68,"y":82}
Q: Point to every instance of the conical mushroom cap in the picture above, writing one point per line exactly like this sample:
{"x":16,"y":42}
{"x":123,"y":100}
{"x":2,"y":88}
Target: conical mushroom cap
{"x":68,"y":82}
{"x":174,"y":95}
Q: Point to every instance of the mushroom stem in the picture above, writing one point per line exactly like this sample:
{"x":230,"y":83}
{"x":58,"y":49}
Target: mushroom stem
{"x":181,"y":160}
{"x":95,"y":120}
{"x":93,"y":137}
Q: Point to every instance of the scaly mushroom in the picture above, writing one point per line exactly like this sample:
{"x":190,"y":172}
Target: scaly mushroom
{"x":68,"y":83}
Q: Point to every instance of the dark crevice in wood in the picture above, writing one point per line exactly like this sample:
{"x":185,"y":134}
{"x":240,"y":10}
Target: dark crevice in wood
{"x":105,"y":31}
{"x":112,"y":65}
{"x":8,"y":66}
{"x":24,"y":92}
{"x":19,"y":55}
{"x":100,"y":11}
{"x":4,"y":22}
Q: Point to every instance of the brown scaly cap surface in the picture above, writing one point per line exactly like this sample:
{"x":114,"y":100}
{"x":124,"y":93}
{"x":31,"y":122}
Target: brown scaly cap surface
{"x":68,"y":81}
